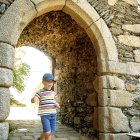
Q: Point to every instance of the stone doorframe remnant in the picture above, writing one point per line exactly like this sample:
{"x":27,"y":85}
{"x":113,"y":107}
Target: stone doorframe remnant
{"x":22,"y":12}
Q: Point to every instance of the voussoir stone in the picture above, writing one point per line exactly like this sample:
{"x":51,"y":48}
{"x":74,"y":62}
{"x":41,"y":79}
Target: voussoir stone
{"x":130,"y":40}
{"x":15,"y":19}
{"x":4,"y":103}
{"x":4,"y":130}
{"x":132,"y":2}
{"x":6,"y":77}
{"x":134,"y":28}
{"x":112,"y":120}
{"x":6,"y":55}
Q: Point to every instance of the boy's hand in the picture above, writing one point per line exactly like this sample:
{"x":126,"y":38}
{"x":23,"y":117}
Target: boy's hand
{"x":57,"y":105}
{"x":35,"y":100}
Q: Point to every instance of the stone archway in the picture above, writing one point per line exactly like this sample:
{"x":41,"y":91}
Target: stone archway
{"x":21,"y":12}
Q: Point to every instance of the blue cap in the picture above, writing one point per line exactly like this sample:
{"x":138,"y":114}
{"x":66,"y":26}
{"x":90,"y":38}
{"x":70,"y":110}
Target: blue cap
{"x":48,"y":77}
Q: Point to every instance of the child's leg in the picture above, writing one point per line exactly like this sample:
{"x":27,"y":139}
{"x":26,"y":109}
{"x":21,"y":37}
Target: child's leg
{"x":46,"y":134}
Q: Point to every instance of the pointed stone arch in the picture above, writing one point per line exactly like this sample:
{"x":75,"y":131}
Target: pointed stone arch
{"x":22,"y":12}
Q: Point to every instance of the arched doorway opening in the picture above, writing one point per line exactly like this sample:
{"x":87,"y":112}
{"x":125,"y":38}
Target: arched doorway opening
{"x":56,"y":34}
{"x":24,"y":11}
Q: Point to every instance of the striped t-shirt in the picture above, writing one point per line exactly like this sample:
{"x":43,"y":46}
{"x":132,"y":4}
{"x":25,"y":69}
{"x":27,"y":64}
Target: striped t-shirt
{"x":47,"y":102}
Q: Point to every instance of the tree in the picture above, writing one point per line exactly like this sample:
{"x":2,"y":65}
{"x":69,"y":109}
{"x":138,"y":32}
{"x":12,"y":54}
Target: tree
{"x":20,"y":73}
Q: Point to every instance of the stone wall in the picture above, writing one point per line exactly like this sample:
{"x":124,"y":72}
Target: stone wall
{"x":59,"y":36}
{"x":117,"y":83}
{"x":123,"y":20}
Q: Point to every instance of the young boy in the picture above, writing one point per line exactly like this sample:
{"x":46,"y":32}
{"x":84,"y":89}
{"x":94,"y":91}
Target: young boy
{"x":46,"y":98}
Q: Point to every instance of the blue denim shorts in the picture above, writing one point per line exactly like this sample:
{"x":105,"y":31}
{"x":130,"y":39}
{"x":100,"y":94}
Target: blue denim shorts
{"x":49,"y":122}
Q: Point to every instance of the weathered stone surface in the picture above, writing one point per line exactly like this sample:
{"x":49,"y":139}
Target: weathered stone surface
{"x":112,"y":120}
{"x":6,"y":77}
{"x":120,"y":136}
{"x":108,"y":82}
{"x":115,"y":98}
{"x":92,"y":99}
{"x":44,"y":6}
{"x":4,"y":103}
{"x":82,"y":12}
{"x":135,"y":123}
{"x":130,"y":40}
{"x":4,"y":131}
{"x":134,"y":28}
{"x":103,"y":38}
{"x":23,"y":12}
{"x":120,"y":98}
{"x":132,"y":2}
{"x":137,"y":55}
{"x":129,"y":68}
{"x":112,"y":2}
{"x":6,"y":55}
{"x":130,"y":87}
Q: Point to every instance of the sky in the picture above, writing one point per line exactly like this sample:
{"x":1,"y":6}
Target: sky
{"x":39,"y":64}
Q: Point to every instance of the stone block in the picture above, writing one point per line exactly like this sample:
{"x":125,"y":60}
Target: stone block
{"x":130,"y":87}
{"x":134,"y":28}
{"x":6,"y":77}
{"x":112,"y":120}
{"x":15,"y":19}
{"x":81,"y":11}
{"x":44,"y":6}
{"x":4,"y":103}
{"x":112,"y":2}
{"x":135,"y":123}
{"x":108,"y":82}
{"x":130,"y":40}
{"x":6,"y":55}
{"x":105,"y":45}
{"x":129,"y":68}
{"x":120,"y":136}
{"x":132,"y":2}
{"x":115,"y":98}
{"x":4,"y":130}
{"x":92,"y":99}
{"x":120,"y":98}
{"x":137,"y":55}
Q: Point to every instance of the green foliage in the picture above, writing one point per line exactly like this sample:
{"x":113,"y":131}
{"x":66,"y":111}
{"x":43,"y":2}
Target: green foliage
{"x":14,"y":102}
{"x":20,"y":73}
{"x":12,"y":127}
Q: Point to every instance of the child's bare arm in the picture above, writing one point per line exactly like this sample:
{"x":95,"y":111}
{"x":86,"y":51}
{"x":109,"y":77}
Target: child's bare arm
{"x":56,"y":102}
{"x":35,"y":100}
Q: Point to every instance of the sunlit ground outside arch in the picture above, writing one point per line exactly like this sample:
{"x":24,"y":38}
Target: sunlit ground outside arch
{"x":39,"y":64}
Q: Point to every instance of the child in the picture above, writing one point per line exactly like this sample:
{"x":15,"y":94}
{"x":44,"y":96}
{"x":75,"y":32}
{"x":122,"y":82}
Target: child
{"x":46,"y":98}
